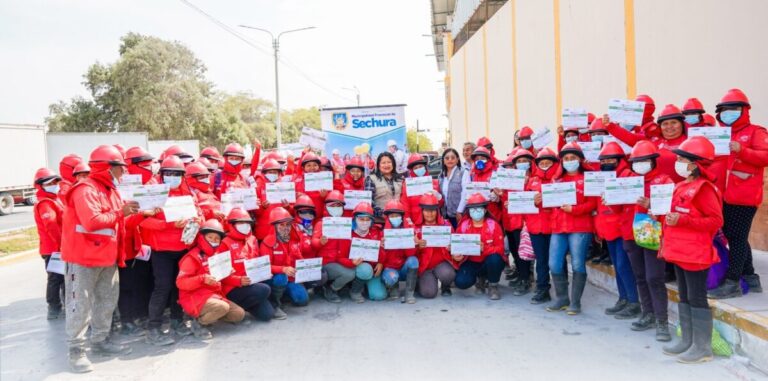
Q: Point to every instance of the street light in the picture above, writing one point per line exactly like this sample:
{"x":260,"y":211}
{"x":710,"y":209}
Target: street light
{"x":276,"y":48}
{"x":357,"y":93}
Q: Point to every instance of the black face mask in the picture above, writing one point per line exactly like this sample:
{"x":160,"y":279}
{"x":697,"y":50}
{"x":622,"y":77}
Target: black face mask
{"x":608,"y":167}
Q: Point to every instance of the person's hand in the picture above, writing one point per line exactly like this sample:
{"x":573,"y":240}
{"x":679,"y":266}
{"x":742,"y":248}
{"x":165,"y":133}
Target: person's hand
{"x":735,"y":146}
{"x":537,"y":199}
{"x":265,"y":204}
{"x":672,"y":218}
{"x":219,"y":214}
{"x":290,"y":271}
{"x":458,"y":258}
{"x":323,"y":193}
{"x":286,"y":204}
{"x":645,"y":202}
{"x":497,"y":191}
{"x":323,"y":240}
{"x":357,"y":261}
{"x":481,"y":245}
{"x":151,"y":212}
{"x":130,"y":207}
{"x":256,"y":143}
{"x":506,"y":204}
{"x":307,"y":149}
{"x":377,"y":270}
{"x":245,"y":281}
{"x":210,"y":280}
{"x":560,"y":130}
{"x":606,"y":120}
{"x":421,"y":243}
{"x":181,"y":223}
{"x":567,"y":208}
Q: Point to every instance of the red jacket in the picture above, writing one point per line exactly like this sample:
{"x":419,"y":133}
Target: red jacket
{"x":688,"y":243}
{"x":240,"y":248}
{"x":666,"y":160}
{"x":484,"y":176}
{"x":193,"y":267}
{"x":430,"y":257}
{"x":608,"y":218}
{"x":226,"y":179}
{"x":491,"y":235}
{"x":334,"y":251}
{"x":64,"y":188}
{"x":262,"y":214}
{"x":411,"y":203}
{"x":395,"y":258}
{"x":540,"y":223}
{"x":49,"y":212}
{"x":209,"y":204}
{"x":512,"y":222}
{"x":317,"y":199}
{"x":281,"y":254}
{"x":161,"y":235}
{"x":350,"y":184}
{"x":579,"y":220}
{"x":305,"y":240}
{"x":744,"y":181}
{"x":132,"y":242}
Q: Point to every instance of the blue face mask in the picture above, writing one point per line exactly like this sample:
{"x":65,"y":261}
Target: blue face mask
{"x":692,"y":119}
{"x":729,"y":117}
{"x":627,"y":127}
{"x":172,"y":181}
{"x":571,"y":139}
{"x":527,"y":143}
{"x":523,"y":165}
{"x":598,"y":138}
{"x":571,"y":166}
{"x":480,"y":165}
{"x":52,"y":189}
{"x":396,"y":221}
{"x":477,"y":214}
{"x":420,"y":171}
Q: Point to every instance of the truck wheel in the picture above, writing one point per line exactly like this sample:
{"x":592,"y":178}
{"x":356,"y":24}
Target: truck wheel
{"x":6,"y":204}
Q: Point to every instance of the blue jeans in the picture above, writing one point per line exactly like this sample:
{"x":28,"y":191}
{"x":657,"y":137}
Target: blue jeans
{"x":392,"y":276}
{"x":575,"y":243}
{"x":540,"y":243}
{"x":490,"y":268}
{"x":625,"y":278}
{"x":295,"y":291}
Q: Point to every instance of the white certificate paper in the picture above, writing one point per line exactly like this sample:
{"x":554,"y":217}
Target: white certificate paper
{"x":521,"y":203}
{"x":313,"y":138}
{"x":542,"y":137}
{"x":436,"y":236}
{"x":509,"y":179}
{"x":624,"y":111}
{"x":465,"y":244}
{"x":417,"y":186}
{"x":56,"y":265}
{"x":308,"y":270}
{"x":591,"y":151}
{"x":624,"y":190}
{"x":150,"y":196}
{"x":258,"y":269}
{"x":367,"y":249}
{"x":220,"y":265}
{"x":399,"y":238}
{"x":594,"y":182}
{"x":479,"y":187}
{"x":661,"y":198}
{"x":279,"y":191}
{"x":129,"y":179}
{"x":556,"y":195}
{"x":354,"y":197}
{"x":318,"y":181}
{"x":179,"y":208}
{"x":574,"y":118}
{"x":337,"y":227}
{"x":719,"y":136}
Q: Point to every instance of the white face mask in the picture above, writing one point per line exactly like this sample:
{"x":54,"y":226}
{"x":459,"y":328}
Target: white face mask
{"x":213,"y":245}
{"x":234,"y":162}
{"x":172,"y":181}
{"x":243,"y":228}
{"x":682,"y":169}
{"x":335,"y":211}
{"x":272,"y":177}
{"x":641,"y":167}
{"x":52,"y":188}
{"x":205,"y":180}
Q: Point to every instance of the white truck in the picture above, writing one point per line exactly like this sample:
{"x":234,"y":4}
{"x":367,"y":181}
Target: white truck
{"x":23,"y":152}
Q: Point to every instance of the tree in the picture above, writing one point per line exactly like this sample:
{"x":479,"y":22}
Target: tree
{"x":425,"y":144}
{"x":293,"y":122}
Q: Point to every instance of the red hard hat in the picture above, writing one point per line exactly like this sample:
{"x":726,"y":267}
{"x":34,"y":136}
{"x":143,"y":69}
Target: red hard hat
{"x":428,"y":201}
{"x":693,"y":106}
{"x":481,"y":151}
{"x":510,"y":159}
{"x":611,"y":150}
{"x":44,"y":175}
{"x":643,"y":150}
{"x":363,"y":208}
{"x":120,"y":149}
{"x":310,"y":157}
{"x":195,"y":169}
{"x":546,"y":153}
{"x":484,"y":142}
{"x":137,"y":155}
{"x":238,"y":215}
{"x":525,"y":132}
{"x":210,"y":153}
{"x":416,"y":159}
{"x":696,"y":148}
{"x":355,"y":163}
{"x":325,"y":163}
{"x":234,"y":149}
{"x":334,"y":196}
{"x":279,"y":215}
{"x":271,"y":165}
{"x":590,"y":117}
{"x":733,"y":98}
{"x":709,"y":120}
{"x":212,"y":226}
{"x":670,"y":112}
{"x":81,"y":168}
{"x":394,"y":206}
{"x":71,"y":160}
{"x":304,"y":202}
{"x":573,"y":148}
{"x":476,"y":199}
{"x":175,"y":150}
{"x":597,"y":126}
{"x":172,"y":163}
{"x":521,"y":152}
{"x":206,"y":163}
{"x":277,"y":155}
{"x":106,"y":154}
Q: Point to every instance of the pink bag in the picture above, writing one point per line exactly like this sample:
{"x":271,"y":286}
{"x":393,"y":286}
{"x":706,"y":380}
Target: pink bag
{"x":526,"y":248}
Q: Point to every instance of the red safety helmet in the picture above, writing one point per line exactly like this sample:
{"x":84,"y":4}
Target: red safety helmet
{"x":643,"y":150}
{"x":334,"y":196}
{"x":355,"y":163}
{"x":196,"y":169}
{"x":234,"y":149}
{"x":71,"y":160}
{"x":304,"y":202}
{"x":484,"y":142}
{"x":363,"y":208}
{"x":211,"y":153}
{"x":175,"y":150}
{"x":106,"y":154}
{"x":212,"y":226}
{"x":137,"y":155}
{"x":696,"y":148}
{"x":44,"y":175}
{"x":597,"y":126}
{"x":81,"y":168}
{"x":708,"y":120}
{"x":590,"y":118}
{"x":525,"y":132}
{"x":670,"y":111}
{"x":415,"y":159}
{"x":172,"y":163}
{"x":279,"y":215}
{"x":521,"y":152}
{"x":650,"y":105}
{"x":611,"y":150}
{"x":238,"y":215}
{"x":120,"y":149}
{"x":693,"y":106}
{"x":428,"y":201}
{"x":476,"y":199}
{"x":481,"y":151}
{"x":547,"y":153}
{"x":573,"y":148}
{"x":325,"y":163}
{"x":394,"y":206}
{"x":310,"y":157}
{"x":271,"y":165}
{"x":207,"y":164}
{"x":733,"y":98}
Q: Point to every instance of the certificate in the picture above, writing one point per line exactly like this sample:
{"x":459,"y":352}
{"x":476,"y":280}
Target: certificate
{"x":465,"y":244}
{"x":399,"y":238}
{"x":129,"y":179}
{"x":575,"y":118}
{"x":277,"y":192}
{"x":150,"y":196}
{"x":719,"y":136}
{"x":258,"y":269}
{"x":509,"y":179}
{"x":591,"y":151}
{"x":179,"y":208}
{"x":354,"y":197}
{"x":556,"y":195}
{"x":542,"y":138}
{"x":56,"y":265}
{"x":417,"y":186}
{"x":661,"y":198}
{"x":308,"y":270}
{"x":479,"y":187}
{"x":609,"y":138}
{"x":318,"y":181}
{"x":594,"y":182}
{"x":313,"y":138}
{"x":220,"y":265}
{"x":337,"y":227}
{"x":436,"y":236}
{"x":627,"y":112}
{"x":231,"y":201}
{"x":367,"y":249}
{"x":521,"y":203}
{"x":624,"y":190}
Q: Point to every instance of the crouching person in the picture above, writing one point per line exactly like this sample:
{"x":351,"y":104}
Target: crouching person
{"x":335,"y":252}
{"x":400,"y":264}
{"x":200,"y":294}
{"x":435,"y":263}
{"x":368,"y":272}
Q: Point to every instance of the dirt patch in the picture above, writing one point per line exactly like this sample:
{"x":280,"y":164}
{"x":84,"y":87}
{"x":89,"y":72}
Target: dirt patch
{"x":18,"y":241}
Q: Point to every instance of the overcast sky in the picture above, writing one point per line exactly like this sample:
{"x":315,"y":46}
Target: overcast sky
{"x":375,"y":45}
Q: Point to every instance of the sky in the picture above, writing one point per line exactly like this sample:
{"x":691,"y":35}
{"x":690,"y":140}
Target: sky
{"x":377,"y":46}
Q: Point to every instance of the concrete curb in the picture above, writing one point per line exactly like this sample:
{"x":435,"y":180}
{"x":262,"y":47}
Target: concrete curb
{"x":18,"y":257}
{"x":16,"y":229}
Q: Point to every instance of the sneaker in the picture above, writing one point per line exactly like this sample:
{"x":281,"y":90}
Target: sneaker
{"x":630,"y":311}
{"x":181,"y":327}
{"x":511,"y":276}
{"x":662,"y":332}
{"x":753,"y":281}
{"x":131,"y":329}
{"x":357,"y":297}
{"x":107,"y":348}
{"x":200,"y":331}
{"x":646,"y":322}
{"x":480,"y":286}
{"x":620,"y":304}
{"x":493,"y":291}
{"x":281,"y":315}
{"x":541,"y":297}
{"x":158,"y":338}
{"x":523,"y":288}
{"x":330,"y":295}
{"x":78,"y":362}
{"x":729,"y":289}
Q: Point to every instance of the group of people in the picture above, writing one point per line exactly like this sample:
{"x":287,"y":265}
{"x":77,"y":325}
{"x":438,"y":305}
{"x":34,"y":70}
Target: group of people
{"x":121,"y":257}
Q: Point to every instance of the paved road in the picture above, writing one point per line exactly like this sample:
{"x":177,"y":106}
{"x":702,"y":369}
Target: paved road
{"x":21,"y":216}
{"x":463,"y":337}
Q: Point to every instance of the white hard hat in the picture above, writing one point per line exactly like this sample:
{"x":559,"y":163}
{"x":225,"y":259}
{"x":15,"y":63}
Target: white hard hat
{"x":391,"y":142}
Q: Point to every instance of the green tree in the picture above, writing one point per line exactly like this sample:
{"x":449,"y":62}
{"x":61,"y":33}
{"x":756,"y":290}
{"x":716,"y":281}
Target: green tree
{"x":293,"y":121}
{"x":425,"y":144}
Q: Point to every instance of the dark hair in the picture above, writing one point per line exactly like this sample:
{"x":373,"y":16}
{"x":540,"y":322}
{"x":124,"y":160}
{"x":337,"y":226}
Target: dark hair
{"x":442,"y":159}
{"x":395,"y":176}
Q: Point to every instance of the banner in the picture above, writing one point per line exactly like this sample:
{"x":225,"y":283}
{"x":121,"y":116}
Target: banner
{"x":363,"y":131}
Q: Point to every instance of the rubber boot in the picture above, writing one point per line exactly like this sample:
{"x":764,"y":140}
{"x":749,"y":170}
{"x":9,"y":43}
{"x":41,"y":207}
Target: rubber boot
{"x":729,"y":289}
{"x":631,"y":311}
{"x":200,"y":331}
{"x":78,"y":362}
{"x":356,"y":291}
{"x":410,"y":287}
{"x":393,"y":292}
{"x":493,"y":291}
{"x":329,"y":293}
{"x":753,"y":281}
{"x":577,"y":289}
{"x":54,"y":311}
{"x":620,"y":304}
{"x":684,"y":310}
{"x":646,"y":322}
{"x":701,"y":350}
{"x":480,"y":285}
{"x":561,"y":302}
{"x":277,"y":296}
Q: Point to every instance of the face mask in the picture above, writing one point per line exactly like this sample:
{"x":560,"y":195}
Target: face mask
{"x":543,"y":168}
{"x":728,"y":117}
{"x":420,"y":171}
{"x":204,"y":180}
{"x":363,"y":226}
{"x":583,"y":130}
{"x":272,"y":177}
{"x":246,"y":173}
{"x":571,"y":139}
{"x":335,"y":211}
{"x":115,"y":182}
{"x":598,"y":138}
{"x":215,"y":166}
{"x":243,"y":228}
{"x":477,"y":214}
{"x":480,"y":165}
{"x":234,"y":163}
{"x":608,"y":167}
{"x":526,"y":143}
{"x":213,"y":245}
{"x":692,"y":119}
{"x":524,"y":166}
{"x":571,"y":166}
{"x":396,"y":221}
{"x":52,"y":189}
{"x":641,"y":167}
{"x":172,"y":181}
{"x":682,"y":169}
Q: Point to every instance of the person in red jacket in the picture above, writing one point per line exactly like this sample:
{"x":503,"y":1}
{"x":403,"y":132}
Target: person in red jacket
{"x":417,"y":167}
{"x":525,"y":135}
{"x":743,"y":190}
{"x":687,"y":235}
{"x":92,"y":232}
{"x":212,"y":154}
{"x":367,"y":273}
{"x":485,"y":142}
{"x":271,"y":172}
{"x":539,"y":225}
{"x":230,"y":176}
{"x":200,"y":294}
{"x":66,"y":166}
{"x":242,"y":246}
{"x":339,"y":268}
{"x":199,"y":180}
{"x":574,"y":134}
{"x":572,"y":229}
{"x":647,"y":266}
{"x":694,"y":113}
{"x":484,"y":270}
{"x":608,"y":228}
{"x":81,"y":171}
{"x":400,"y":264}
{"x":304,"y":223}
{"x":435,"y":263}
{"x":48,"y":213}
{"x":521,"y":159}
{"x":481,"y":173}
{"x":283,"y":248}
{"x":353,"y":177}
{"x":310,"y":163}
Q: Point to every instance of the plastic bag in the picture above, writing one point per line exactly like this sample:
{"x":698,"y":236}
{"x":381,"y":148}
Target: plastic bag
{"x":525,"y":250}
{"x":646,"y":231}
{"x":190,"y":232}
{"x":720,"y":347}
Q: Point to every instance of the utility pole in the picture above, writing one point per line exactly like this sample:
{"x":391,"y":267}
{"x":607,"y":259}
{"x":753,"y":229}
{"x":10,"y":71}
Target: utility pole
{"x":417,"y":135}
{"x":357,"y":93}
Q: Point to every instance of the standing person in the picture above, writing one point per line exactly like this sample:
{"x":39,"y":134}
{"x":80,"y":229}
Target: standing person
{"x":66,"y":166}
{"x":81,"y":171}
{"x":310,"y":163}
{"x":435,"y":263}
{"x":687,"y":234}
{"x":271,"y":172}
{"x":466,"y":152}
{"x":338,"y":162}
{"x":384,"y":183}
{"x":481,"y":172}
{"x":485,"y":142}
{"x":400,"y":264}
{"x":451,"y":181}
{"x":92,"y":230}
{"x":199,"y":179}
{"x":335,"y":252}
{"x":230,"y":176}
{"x":49,"y":212}
{"x":521,"y":159}
{"x":399,"y":155}
{"x":743,"y":190}
{"x":694,"y":113}
{"x":540,"y":225}
{"x":417,"y":167}
{"x":572,"y":229}
{"x":525,"y":136}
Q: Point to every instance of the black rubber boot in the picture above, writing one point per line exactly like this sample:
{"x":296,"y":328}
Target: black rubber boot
{"x":701,"y":350}
{"x":410,"y":287}
{"x":561,"y":302}
{"x":620,"y":304}
{"x":577,"y":289}
{"x":356,"y":291}
{"x":684,"y":310}
{"x":753,"y":281}
{"x":729,"y":289}
{"x":631,"y":311}
{"x":277,"y":302}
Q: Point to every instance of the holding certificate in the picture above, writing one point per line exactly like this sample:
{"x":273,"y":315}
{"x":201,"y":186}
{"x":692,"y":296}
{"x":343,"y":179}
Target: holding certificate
{"x":399,"y":250}
{"x":434,"y":239}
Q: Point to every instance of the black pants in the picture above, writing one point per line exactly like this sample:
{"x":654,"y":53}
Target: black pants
{"x":165,"y":268}
{"x":692,"y":287}
{"x":736,"y":227}
{"x":254,"y":299}
{"x":136,"y":283}
{"x":523,"y":267}
{"x":54,"y":288}
{"x":649,"y":274}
